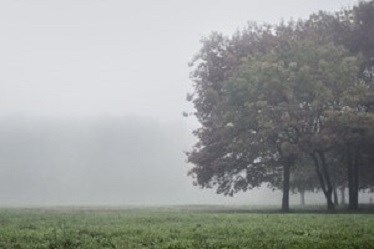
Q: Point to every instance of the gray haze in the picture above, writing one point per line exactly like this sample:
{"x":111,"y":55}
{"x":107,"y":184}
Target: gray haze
{"x":92,"y":91}
{"x":107,"y":160}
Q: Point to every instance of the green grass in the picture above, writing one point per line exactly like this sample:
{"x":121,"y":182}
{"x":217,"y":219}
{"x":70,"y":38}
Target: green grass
{"x":182,"y":227}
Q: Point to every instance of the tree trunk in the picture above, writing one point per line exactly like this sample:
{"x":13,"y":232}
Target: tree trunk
{"x":326,"y":174}
{"x":336,"y":201}
{"x":353,"y":185}
{"x":330,"y":204}
{"x":302,"y":197}
{"x":356,"y":167}
{"x":350,"y":178}
{"x":286,"y":187}
{"x":323,"y":177}
{"x":342,"y":196}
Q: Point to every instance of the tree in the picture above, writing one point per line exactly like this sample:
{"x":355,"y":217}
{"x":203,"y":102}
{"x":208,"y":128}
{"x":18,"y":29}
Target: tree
{"x":221,"y":158}
{"x":303,"y":178}
{"x":267,"y":107}
{"x":260,"y":91}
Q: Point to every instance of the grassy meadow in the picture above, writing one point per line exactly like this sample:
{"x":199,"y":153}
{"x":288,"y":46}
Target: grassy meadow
{"x":183,"y":227}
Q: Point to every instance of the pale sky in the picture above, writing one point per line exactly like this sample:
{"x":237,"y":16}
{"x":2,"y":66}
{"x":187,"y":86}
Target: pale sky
{"x":95,"y":57}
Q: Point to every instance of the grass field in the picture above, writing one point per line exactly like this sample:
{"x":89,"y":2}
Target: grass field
{"x":182,"y":227}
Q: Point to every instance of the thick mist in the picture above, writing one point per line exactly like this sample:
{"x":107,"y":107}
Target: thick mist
{"x":104,"y":160}
{"x":101,"y":161}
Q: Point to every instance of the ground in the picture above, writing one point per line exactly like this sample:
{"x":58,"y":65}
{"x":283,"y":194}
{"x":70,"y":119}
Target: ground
{"x":183,"y":227}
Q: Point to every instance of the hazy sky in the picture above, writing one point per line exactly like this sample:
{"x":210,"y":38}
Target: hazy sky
{"x":88,"y":60}
{"x":116,"y":57}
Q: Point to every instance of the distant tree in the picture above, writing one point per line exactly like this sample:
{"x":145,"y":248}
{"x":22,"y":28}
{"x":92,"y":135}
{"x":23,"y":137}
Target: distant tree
{"x":352,"y":28}
{"x":353,"y":125}
{"x":303,"y":178}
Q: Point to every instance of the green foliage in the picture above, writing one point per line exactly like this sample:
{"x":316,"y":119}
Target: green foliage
{"x":174,"y":228}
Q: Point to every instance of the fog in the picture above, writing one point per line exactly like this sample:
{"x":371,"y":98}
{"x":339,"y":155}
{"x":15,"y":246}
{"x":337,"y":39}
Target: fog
{"x":99,"y":161}
{"x":92,"y":94}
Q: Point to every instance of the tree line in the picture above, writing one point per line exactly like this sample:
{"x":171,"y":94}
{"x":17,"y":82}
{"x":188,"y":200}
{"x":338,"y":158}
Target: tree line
{"x":288,"y":105}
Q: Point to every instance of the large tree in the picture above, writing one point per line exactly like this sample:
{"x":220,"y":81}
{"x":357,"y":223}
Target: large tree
{"x":271,"y":106}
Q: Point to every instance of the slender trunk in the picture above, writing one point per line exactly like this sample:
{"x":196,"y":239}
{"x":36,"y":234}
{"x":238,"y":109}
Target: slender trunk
{"x":286,"y":187}
{"x":323,"y":177}
{"x":335,"y":192}
{"x":356,"y":168}
{"x":302,"y":197}
{"x":353,"y":161}
{"x":342,"y":196}
{"x":350,"y":178}
{"x":329,"y":190}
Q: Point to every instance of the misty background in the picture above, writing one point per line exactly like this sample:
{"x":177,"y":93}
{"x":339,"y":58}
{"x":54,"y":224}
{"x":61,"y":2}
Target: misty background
{"x":92,"y":94}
